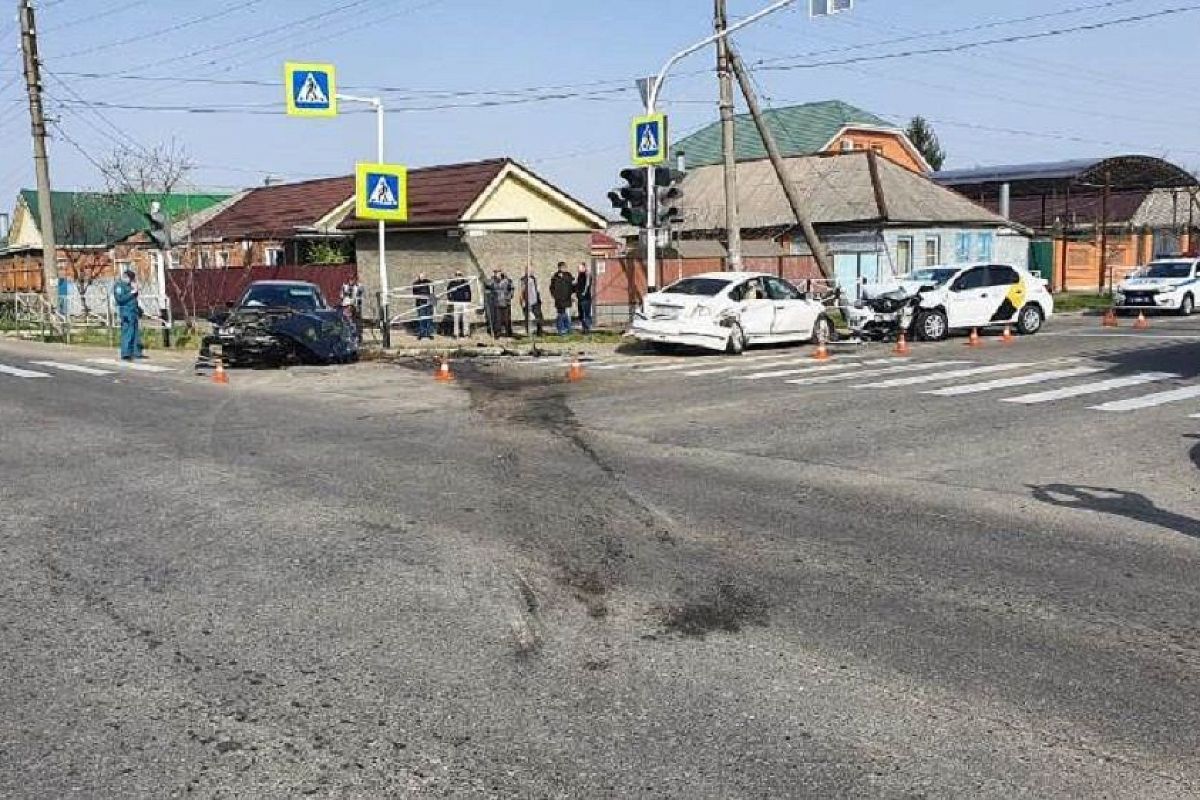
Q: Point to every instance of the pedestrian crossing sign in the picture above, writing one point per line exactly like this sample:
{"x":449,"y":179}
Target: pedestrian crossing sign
{"x":382,"y":192}
{"x":311,"y":90}
{"x":650,"y":140}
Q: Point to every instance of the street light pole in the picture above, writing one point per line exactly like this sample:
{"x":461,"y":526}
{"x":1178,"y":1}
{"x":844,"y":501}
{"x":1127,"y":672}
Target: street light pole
{"x":385,"y":318}
{"x":651,"y":105}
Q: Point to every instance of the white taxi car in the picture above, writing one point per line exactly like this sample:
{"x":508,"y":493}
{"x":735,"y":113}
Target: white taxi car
{"x":727,"y":311}
{"x":961,"y":297}
{"x":1170,"y":284}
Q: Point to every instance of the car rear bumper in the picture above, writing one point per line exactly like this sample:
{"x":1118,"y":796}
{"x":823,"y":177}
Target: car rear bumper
{"x":710,"y":337}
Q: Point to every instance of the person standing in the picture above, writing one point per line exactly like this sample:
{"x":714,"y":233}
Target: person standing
{"x":531,"y":300}
{"x":422,"y":290}
{"x":583,"y":294}
{"x":562,"y":287}
{"x":125,"y":293}
{"x":459,"y":295}
{"x":502,"y":297}
{"x":352,"y":296}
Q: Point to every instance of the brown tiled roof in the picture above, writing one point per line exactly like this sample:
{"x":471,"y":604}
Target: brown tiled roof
{"x":276,"y":212}
{"x":441,"y":195}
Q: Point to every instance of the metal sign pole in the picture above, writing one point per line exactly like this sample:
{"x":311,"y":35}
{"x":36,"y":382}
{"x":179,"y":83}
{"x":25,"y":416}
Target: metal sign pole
{"x":385,"y":318}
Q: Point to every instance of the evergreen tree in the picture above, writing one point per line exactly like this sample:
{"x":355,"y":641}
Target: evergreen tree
{"x":922,"y":135}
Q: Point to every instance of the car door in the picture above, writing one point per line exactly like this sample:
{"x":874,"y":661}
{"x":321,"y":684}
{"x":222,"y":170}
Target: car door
{"x":794,"y":316}
{"x":969,"y":303}
{"x":756,"y":310}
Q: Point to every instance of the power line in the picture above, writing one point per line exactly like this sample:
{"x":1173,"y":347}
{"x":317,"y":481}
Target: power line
{"x":123,"y":7}
{"x":232,"y":8}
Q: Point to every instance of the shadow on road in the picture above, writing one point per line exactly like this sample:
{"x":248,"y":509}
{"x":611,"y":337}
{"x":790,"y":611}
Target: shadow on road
{"x":1196,"y":449}
{"x":1116,"y":502}
{"x":1177,"y":358}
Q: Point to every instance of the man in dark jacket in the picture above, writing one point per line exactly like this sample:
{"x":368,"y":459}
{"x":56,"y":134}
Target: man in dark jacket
{"x":562,"y":287}
{"x":501,"y":287}
{"x":459,"y":295}
{"x":583,"y":294}
{"x":422,"y":290}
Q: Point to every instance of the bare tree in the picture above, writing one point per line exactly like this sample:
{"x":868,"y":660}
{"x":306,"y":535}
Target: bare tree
{"x":90,"y":226}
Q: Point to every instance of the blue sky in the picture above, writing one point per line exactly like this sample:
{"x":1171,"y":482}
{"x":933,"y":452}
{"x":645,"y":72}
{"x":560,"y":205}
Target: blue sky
{"x":1119,"y":89}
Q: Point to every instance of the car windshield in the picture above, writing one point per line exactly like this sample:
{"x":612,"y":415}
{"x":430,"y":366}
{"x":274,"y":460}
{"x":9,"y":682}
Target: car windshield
{"x":705,"y":287}
{"x":298,"y":298}
{"x":935,"y":276}
{"x":1168,"y":269}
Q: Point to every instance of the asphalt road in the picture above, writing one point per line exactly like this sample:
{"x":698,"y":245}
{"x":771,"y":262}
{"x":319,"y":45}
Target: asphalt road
{"x":359,"y":583}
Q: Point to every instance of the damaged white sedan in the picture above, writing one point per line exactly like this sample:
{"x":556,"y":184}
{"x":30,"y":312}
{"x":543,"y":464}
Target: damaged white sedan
{"x":728,"y":311}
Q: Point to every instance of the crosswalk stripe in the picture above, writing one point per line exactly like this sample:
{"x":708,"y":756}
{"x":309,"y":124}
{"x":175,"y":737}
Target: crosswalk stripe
{"x":731,"y":362}
{"x":1150,"y":400}
{"x":1023,"y":380}
{"x":113,"y":362}
{"x":871,"y":373}
{"x":813,"y":367}
{"x":17,"y":372}
{"x":73,"y":368}
{"x":1091,"y":388}
{"x":943,"y":376}
{"x":734,"y":364}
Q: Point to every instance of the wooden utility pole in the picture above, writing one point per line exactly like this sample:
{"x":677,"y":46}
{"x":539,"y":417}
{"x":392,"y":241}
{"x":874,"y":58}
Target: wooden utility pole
{"x":733,"y":225}
{"x":789,"y":188}
{"x":41,"y":163}
{"x":1104,"y":233}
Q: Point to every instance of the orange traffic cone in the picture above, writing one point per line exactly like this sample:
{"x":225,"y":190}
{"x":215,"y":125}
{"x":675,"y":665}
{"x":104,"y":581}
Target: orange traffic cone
{"x":219,"y":375}
{"x":822,"y":353}
{"x":575,"y":371}
{"x":902,"y":348}
{"x":1110,"y":319}
{"x":443,"y":374}
{"x":1007,"y":337}
{"x":1142,"y":323}
{"x":974,"y":341}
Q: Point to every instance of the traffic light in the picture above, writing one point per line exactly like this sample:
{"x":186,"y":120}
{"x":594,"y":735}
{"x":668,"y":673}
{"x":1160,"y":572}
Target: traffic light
{"x":160,"y":226}
{"x":668,"y":195}
{"x":633,"y":198}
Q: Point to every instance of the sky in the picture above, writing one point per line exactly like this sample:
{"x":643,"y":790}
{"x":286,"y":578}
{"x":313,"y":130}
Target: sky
{"x":551,"y":82}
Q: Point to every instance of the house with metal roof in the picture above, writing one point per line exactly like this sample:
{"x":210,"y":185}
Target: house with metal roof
{"x":829,"y":126}
{"x":875,"y":217}
{"x":1094,"y":220}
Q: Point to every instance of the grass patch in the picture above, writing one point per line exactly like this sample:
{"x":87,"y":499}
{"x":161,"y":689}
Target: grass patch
{"x":1081,"y":302}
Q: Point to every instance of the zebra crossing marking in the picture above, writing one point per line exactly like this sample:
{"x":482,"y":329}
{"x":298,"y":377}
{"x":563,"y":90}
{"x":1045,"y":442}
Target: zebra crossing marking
{"x":1096,"y":387}
{"x":73,"y":368}
{"x":944,"y":376}
{"x":871,"y":373}
{"x":113,"y":362}
{"x":1007,"y":383}
{"x":783,"y":373}
{"x":1150,"y":400}
{"x":17,"y":372}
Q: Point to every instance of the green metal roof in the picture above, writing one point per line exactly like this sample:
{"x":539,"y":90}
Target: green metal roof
{"x":799,"y":131}
{"x":91,"y":219}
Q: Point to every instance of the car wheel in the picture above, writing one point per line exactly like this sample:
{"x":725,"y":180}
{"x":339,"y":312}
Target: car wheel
{"x":1030,"y":320}
{"x":1188,"y":306}
{"x":932,"y":326}
{"x":823,"y":330}
{"x":737,"y":340}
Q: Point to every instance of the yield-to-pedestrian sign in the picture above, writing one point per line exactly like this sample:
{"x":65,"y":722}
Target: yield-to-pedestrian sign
{"x":311,"y":90}
{"x":650,"y":140}
{"x":382,"y":192}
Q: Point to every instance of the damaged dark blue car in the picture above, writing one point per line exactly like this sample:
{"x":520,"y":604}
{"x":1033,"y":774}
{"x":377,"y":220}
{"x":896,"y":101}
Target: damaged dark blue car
{"x":281,"y":322}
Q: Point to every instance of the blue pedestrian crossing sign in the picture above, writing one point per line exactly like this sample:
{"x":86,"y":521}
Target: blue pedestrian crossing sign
{"x":311,"y":90}
{"x":650,"y":140}
{"x":382,"y":192}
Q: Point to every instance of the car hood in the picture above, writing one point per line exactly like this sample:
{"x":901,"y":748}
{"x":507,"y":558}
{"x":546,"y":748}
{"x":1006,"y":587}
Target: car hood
{"x":1148,"y":284}
{"x":871,"y":291}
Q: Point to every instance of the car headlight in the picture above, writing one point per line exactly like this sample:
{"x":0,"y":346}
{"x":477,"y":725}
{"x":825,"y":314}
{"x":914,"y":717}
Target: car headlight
{"x":701,"y":311}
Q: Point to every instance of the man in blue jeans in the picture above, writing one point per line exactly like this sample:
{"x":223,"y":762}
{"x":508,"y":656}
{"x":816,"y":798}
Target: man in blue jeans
{"x":562,"y":287}
{"x":125,"y":293}
{"x":422,"y":290}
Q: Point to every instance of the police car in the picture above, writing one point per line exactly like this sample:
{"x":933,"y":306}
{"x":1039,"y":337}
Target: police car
{"x":1169,"y":284}
{"x":960,"y":297}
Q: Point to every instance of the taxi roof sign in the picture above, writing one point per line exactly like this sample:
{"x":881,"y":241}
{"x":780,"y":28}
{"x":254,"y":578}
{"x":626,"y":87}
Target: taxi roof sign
{"x":381,"y":192}
{"x":649,"y":140}
{"x":311,"y":89}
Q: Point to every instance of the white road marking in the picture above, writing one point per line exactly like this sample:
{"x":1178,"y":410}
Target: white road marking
{"x":814,"y":366}
{"x":943,"y":376}
{"x":133,"y":365}
{"x":1150,"y":400}
{"x":1091,"y":388}
{"x":1023,"y":380}
{"x":871,"y":373}
{"x":1194,"y":416}
{"x":1130,"y":335}
{"x":17,"y":372}
{"x":73,"y":368}
{"x":732,"y":363}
